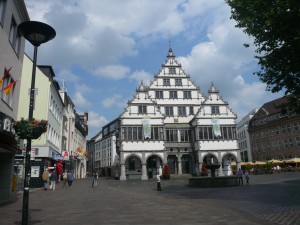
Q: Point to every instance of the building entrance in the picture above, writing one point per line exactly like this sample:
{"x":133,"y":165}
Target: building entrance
{"x":153,"y":164}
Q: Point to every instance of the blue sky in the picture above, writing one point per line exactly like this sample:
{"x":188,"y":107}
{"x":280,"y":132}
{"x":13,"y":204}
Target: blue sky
{"x":104,"y":48}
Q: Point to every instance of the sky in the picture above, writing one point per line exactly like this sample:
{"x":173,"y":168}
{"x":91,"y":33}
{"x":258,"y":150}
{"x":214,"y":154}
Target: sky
{"x":103,"y":49}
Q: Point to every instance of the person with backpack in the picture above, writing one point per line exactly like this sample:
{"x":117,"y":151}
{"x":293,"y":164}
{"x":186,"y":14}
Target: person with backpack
{"x":45,"y":177}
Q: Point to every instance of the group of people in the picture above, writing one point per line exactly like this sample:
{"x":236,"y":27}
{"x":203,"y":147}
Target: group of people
{"x":50,"y":179}
{"x":240,"y":175}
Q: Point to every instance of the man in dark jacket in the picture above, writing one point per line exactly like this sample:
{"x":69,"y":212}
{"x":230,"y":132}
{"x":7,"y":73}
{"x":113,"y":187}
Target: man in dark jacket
{"x":53,"y":178}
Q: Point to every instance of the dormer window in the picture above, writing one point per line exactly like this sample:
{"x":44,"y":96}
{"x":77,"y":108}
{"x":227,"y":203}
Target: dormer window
{"x":142,"y":109}
{"x":166,"y":82}
{"x":173,"y":95}
{"x":178,"y":82}
{"x":215,"y":110}
{"x":187,"y":95}
{"x":172,"y":70}
{"x":159,"y":94}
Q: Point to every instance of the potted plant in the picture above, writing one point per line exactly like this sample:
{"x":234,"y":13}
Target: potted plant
{"x":30,"y":129}
{"x":166,"y":172}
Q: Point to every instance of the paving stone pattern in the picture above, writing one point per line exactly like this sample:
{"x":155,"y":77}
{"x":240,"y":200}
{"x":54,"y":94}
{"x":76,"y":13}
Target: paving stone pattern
{"x":268,"y":200}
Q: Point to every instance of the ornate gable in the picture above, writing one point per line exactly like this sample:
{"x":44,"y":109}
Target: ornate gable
{"x":141,"y":104}
{"x":214,"y":105}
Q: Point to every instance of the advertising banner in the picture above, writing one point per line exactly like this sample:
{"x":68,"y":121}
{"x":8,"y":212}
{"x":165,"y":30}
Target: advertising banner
{"x":146,"y":127}
{"x":216,"y":126}
{"x":35,"y":171}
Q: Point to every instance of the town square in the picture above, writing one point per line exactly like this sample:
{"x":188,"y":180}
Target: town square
{"x":149,"y":112}
{"x":268,"y":199}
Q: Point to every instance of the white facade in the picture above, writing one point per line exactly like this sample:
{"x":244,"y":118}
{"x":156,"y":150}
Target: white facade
{"x":172,"y":122}
{"x":243,"y":136}
{"x":48,"y":106}
{"x":79,"y":142}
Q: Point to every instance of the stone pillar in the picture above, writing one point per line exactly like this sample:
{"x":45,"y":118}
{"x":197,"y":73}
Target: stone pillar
{"x":144,"y":172}
{"x":200,"y":162}
{"x":123,"y":175}
{"x":220,"y":170}
{"x":165,"y":159}
{"x":200,"y":168}
{"x":144,"y":167}
{"x":179,"y":164}
{"x":122,"y":165}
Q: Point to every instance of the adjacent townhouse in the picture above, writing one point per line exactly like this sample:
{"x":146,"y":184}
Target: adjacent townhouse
{"x":48,"y":105}
{"x":243,"y":136}
{"x":274,"y":131}
{"x":12,"y":13}
{"x":79,"y":155}
{"x":68,"y":128}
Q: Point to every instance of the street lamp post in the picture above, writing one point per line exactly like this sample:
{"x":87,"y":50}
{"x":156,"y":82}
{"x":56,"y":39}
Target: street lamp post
{"x":36,"y":33}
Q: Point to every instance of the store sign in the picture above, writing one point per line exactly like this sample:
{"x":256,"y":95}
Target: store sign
{"x":35,"y":171}
{"x":5,"y":122}
{"x":34,"y":153}
{"x":65,"y":155}
{"x":58,"y":157}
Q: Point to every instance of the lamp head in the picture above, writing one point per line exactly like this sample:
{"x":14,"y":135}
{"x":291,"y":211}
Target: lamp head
{"x":36,"y":32}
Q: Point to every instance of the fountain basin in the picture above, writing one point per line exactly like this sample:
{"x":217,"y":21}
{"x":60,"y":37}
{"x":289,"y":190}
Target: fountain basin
{"x":205,"y":182}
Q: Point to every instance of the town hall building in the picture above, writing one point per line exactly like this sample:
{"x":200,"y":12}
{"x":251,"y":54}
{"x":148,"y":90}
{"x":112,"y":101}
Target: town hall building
{"x":172,"y":122}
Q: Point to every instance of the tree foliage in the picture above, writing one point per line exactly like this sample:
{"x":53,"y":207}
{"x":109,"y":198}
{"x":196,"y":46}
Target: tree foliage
{"x":275,"y":26}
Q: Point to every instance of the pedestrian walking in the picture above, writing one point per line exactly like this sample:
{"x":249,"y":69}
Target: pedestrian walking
{"x":53,"y":178}
{"x":160,"y":172}
{"x":95,"y":178}
{"x":240,"y":177}
{"x":70,"y":178}
{"x":45,"y":177}
{"x":247,"y":176}
{"x":65,"y":176}
{"x":158,"y":182}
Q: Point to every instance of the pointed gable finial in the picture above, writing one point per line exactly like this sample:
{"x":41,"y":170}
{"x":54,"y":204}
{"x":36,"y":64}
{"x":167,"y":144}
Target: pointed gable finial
{"x":213,"y":89}
{"x":170,"y":53}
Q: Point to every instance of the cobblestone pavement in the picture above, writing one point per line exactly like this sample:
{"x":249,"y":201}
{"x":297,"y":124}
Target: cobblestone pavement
{"x":268,"y":199}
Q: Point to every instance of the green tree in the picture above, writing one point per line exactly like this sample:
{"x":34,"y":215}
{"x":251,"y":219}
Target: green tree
{"x":275,"y":26}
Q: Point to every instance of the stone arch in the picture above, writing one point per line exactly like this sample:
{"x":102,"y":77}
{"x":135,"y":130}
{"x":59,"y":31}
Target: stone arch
{"x":131,"y":155}
{"x":227,"y":160}
{"x":133,"y":166}
{"x":153,"y":162}
{"x":211,"y":165}
{"x":210,"y":158}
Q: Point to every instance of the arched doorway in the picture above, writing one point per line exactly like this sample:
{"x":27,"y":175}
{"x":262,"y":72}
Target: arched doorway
{"x":133,"y":167}
{"x":226,"y":164}
{"x":153,"y":164}
{"x":211,"y":165}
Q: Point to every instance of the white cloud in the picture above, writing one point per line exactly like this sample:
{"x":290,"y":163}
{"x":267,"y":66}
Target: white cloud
{"x":114,"y":72}
{"x":79,"y":100}
{"x":141,"y":75}
{"x":67,"y":75}
{"x":96,"y":120}
{"x":95,"y":123}
{"x":114,"y":101}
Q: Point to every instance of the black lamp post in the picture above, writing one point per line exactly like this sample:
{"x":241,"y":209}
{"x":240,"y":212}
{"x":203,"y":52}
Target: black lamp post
{"x":36,"y":33}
